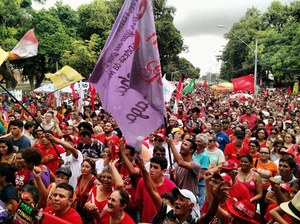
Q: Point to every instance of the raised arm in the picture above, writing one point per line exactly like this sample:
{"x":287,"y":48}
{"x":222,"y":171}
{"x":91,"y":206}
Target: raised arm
{"x":127,"y":163}
{"x":64,"y":144}
{"x":218,"y":193}
{"x":151,"y":189}
{"x":115,"y":173}
{"x":178,"y":159}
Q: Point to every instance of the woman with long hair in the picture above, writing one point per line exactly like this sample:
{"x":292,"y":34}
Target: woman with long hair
{"x":261,"y":136}
{"x":86,"y":181}
{"x":290,"y":142}
{"x":7,"y":152}
{"x":110,"y":179}
{"x":249,"y":178}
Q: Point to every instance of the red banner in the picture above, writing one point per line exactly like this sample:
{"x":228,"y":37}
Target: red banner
{"x":244,"y":83}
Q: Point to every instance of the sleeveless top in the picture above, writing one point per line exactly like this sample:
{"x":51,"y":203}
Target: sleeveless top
{"x":250,"y":185}
{"x":83,"y":196}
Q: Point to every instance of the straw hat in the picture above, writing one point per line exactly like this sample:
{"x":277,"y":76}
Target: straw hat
{"x":292,"y":207}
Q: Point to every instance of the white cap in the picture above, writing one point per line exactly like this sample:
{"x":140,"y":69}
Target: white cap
{"x":185,"y":193}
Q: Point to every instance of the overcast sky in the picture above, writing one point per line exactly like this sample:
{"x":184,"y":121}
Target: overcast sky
{"x":197,"y":21}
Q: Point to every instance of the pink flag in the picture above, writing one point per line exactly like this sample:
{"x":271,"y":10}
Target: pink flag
{"x":179,"y":89}
{"x":26,"y":48}
{"x":244,"y":83}
{"x":128,"y":73}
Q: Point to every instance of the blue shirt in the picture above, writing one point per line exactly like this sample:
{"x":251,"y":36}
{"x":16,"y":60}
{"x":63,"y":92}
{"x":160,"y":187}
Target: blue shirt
{"x":223,"y":139}
{"x":204,"y":161}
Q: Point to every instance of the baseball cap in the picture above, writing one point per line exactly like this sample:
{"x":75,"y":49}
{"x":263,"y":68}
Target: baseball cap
{"x":285,"y":187}
{"x":185,"y":193}
{"x":239,"y":134}
{"x":224,"y":176}
{"x":230,"y":165}
{"x":242,"y":209}
{"x":64,"y":170}
{"x":160,"y":135}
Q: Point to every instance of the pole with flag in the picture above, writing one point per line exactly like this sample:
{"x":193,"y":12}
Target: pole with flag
{"x":190,"y":87}
{"x":128,"y":75}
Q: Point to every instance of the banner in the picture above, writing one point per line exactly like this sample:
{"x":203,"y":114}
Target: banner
{"x":244,"y":83}
{"x":128,"y":73}
{"x":190,"y":87}
{"x":168,"y":89}
{"x":64,"y":77}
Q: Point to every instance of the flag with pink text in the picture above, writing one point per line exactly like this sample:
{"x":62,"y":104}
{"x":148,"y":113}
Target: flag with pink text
{"x":128,"y":76}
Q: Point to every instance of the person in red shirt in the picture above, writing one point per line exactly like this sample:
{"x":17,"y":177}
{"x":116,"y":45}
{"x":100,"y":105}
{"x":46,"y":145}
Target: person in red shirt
{"x":117,"y":202}
{"x":237,"y":190}
{"x":252,"y":118}
{"x":237,"y":148}
{"x":61,"y":204}
{"x":225,"y":127}
{"x":49,"y":154}
{"x":107,"y":136}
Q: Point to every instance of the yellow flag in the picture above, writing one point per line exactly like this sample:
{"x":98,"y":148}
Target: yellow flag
{"x":64,"y":77}
{"x":3,"y":56}
{"x":295,"y":88}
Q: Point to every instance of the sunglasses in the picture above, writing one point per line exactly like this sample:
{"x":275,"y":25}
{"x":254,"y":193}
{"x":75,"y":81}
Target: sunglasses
{"x":158,"y":140}
{"x":160,"y":154}
{"x":273,"y":133}
{"x":210,"y":140}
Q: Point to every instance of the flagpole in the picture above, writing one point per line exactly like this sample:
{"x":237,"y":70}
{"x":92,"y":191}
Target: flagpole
{"x":12,"y":96}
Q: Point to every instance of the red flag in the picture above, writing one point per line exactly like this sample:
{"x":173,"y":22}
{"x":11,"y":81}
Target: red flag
{"x":179,"y":89}
{"x":266,"y":91}
{"x":204,"y":83}
{"x":74,"y":94}
{"x":244,"y":83}
{"x":289,"y":90}
{"x":51,"y":97}
{"x":92,"y":90}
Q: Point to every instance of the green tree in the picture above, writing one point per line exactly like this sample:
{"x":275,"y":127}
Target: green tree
{"x":277,"y":31}
{"x":83,"y":55}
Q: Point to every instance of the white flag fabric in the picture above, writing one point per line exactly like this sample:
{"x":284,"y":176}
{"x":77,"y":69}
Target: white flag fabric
{"x":168,"y":89}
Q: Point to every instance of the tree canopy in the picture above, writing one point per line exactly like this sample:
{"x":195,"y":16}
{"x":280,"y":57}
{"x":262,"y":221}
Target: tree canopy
{"x":76,"y":37}
{"x":277,"y":31}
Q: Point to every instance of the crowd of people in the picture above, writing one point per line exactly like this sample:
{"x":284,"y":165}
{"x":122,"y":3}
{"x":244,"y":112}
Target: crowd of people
{"x":218,"y":160}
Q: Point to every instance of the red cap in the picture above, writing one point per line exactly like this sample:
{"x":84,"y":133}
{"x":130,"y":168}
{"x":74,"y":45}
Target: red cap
{"x":224,"y":176}
{"x":242,"y":209}
{"x":285,"y":187}
{"x":160,"y":135}
{"x":230,"y":165}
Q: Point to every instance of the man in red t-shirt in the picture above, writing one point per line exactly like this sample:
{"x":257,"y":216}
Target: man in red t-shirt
{"x":248,"y":116}
{"x":61,"y":204}
{"x":108,"y":136}
{"x":237,"y":148}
